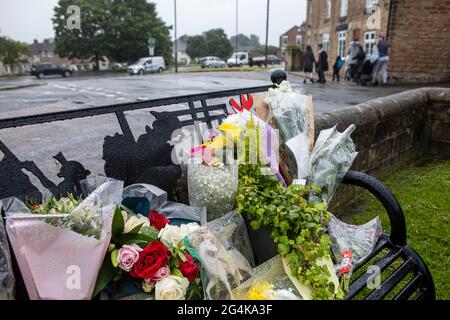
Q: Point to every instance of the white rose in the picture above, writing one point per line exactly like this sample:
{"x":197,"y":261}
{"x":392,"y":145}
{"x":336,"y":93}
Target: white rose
{"x":171,"y":288}
{"x":134,"y":221}
{"x":172,"y":235}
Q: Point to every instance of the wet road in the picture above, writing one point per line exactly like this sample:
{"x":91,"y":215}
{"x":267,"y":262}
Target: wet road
{"x":55,"y":93}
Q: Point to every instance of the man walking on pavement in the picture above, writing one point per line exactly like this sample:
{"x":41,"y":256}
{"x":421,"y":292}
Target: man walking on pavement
{"x":322,"y":64}
{"x":383,"y":61}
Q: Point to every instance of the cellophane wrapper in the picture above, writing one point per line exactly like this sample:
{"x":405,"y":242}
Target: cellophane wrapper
{"x":269,"y":282}
{"x":155,"y":196}
{"x":232,"y":232}
{"x":176,"y":212}
{"x":361,"y":240}
{"x":7,"y":280}
{"x":289,"y":109}
{"x":331,"y":159}
{"x":56,"y":262}
{"x":213,"y":187}
{"x":223,"y":269}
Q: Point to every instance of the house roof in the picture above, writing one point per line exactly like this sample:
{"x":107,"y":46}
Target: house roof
{"x":38,"y":47}
{"x":294,"y":27}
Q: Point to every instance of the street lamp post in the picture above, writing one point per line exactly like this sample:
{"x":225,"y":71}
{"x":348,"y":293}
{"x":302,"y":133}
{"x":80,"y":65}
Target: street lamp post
{"x":267,"y":32}
{"x":175,"y":31}
{"x":237,"y":29}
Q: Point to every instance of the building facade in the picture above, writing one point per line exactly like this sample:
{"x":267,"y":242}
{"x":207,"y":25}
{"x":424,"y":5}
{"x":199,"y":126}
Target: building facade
{"x":418,"y":31}
{"x":293,"y":37}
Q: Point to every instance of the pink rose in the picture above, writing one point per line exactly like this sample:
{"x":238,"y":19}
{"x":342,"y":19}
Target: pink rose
{"x":162,"y":273}
{"x":128,"y":255}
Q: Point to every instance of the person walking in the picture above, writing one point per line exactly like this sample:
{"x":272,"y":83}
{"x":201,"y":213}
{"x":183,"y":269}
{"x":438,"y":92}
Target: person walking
{"x":352,"y":52}
{"x":308,"y":63}
{"x":322,"y":64}
{"x":383,"y":61}
{"x":337,"y":68}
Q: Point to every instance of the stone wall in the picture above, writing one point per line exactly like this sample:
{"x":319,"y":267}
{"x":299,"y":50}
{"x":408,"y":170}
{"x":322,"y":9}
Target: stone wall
{"x":394,"y":131}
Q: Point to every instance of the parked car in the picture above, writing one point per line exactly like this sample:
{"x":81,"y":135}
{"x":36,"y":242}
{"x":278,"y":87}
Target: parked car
{"x":48,"y":69}
{"x":261,"y":60}
{"x":147,"y":65}
{"x":238,"y":59}
{"x":212,"y":62}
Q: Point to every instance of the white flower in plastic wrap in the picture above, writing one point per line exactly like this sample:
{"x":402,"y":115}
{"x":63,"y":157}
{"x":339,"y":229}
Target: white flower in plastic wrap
{"x":171,"y":288}
{"x":134,"y":221}
{"x":172,"y":235}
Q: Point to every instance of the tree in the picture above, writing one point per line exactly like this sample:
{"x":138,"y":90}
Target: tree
{"x":118,"y":29}
{"x":196,"y":47}
{"x":270,"y":50}
{"x":11,"y":51}
{"x":254,"y":41}
{"x":218,"y":44}
{"x":243,"y":42}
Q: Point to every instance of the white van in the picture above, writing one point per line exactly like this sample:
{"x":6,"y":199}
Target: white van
{"x":238,"y":59}
{"x":147,"y":65}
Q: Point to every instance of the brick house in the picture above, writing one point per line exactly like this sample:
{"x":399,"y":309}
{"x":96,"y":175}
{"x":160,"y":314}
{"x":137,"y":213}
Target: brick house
{"x":418,"y":31}
{"x":293,"y":37}
{"x":44,"y":52}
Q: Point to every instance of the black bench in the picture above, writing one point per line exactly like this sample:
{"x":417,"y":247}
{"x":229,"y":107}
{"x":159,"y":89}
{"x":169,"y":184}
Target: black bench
{"x":147,"y":160}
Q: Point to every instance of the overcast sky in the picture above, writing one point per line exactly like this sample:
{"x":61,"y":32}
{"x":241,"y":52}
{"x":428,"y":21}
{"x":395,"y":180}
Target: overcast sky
{"x":26,"y":20}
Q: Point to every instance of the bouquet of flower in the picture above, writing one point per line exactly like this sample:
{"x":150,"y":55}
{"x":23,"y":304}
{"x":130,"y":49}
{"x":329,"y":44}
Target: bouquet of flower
{"x":151,"y":254}
{"x":59,"y":245}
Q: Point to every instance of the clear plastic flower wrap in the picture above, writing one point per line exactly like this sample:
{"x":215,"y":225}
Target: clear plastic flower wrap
{"x":351,"y":245}
{"x":332,"y":157}
{"x":269,"y":282}
{"x":7,"y":280}
{"x":359,"y":239}
{"x":222,"y":269}
{"x":232,"y":232}
{"x":60,"y":255}
{"x":155,"y":196}
{"x":213,"y":187}
{"x":289,"y":108}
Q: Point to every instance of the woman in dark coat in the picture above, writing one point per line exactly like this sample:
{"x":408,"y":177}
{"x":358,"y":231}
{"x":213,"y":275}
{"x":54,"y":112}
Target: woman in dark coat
{"x":309,"y":62}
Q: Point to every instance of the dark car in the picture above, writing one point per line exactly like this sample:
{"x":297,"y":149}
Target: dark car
{"x":49,"y":69}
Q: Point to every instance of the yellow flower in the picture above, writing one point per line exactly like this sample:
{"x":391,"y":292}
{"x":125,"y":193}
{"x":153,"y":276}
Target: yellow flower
{"x":231,"y":130}
{"x":217,"y":143}
{"x":259,"y":291}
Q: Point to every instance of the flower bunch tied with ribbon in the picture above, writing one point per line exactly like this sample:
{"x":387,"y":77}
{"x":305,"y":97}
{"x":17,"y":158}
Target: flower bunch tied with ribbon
{"x":152,"y":255}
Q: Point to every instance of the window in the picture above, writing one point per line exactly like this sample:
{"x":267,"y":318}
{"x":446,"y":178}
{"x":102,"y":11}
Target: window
{"x":283,"y":52}
{"x":298,"y":40}
{"x":328,"y":9}
{"x":369,"y":41}
{"x":344,"y":8}
{"x":326,"y":41}
{"x":341,"y":43}
{"x":284,"y":40}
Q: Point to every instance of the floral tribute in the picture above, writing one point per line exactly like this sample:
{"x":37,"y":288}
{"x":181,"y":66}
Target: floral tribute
{"x":151,"y":254}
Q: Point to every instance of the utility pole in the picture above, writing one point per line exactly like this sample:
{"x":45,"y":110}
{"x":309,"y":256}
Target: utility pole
{"x":267,"y":32}
{"x":237,"y":29}
{"x":176,"y":40}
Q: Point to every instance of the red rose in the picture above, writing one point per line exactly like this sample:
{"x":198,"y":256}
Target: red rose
{"x":157,"y":220}
{"x":189,"y":268}
{"x":151,"y":259}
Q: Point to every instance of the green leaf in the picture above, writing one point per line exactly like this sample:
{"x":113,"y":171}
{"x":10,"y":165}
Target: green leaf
{"x":283,"y":249}
{"x":117,"y":224}
{"x":105,"y":275}
{"x":115,"y":258}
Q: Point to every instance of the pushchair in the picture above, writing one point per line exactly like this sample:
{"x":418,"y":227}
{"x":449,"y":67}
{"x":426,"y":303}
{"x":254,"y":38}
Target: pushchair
{"x":366,"y":71}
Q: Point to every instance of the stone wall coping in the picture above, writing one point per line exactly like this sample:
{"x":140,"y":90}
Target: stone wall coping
{"x":374,"y":111}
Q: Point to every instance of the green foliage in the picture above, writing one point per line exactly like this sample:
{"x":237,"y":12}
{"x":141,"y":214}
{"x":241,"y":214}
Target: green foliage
{"x":297,"y":225}
{"x":213,"y":42}
{"x":11,"y":51}
{"x":105,"y":275}
{"x":117,"y":29}
{"x":270,"y":50}
{"x":196,"y":47}
{"x":218,"y":44}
